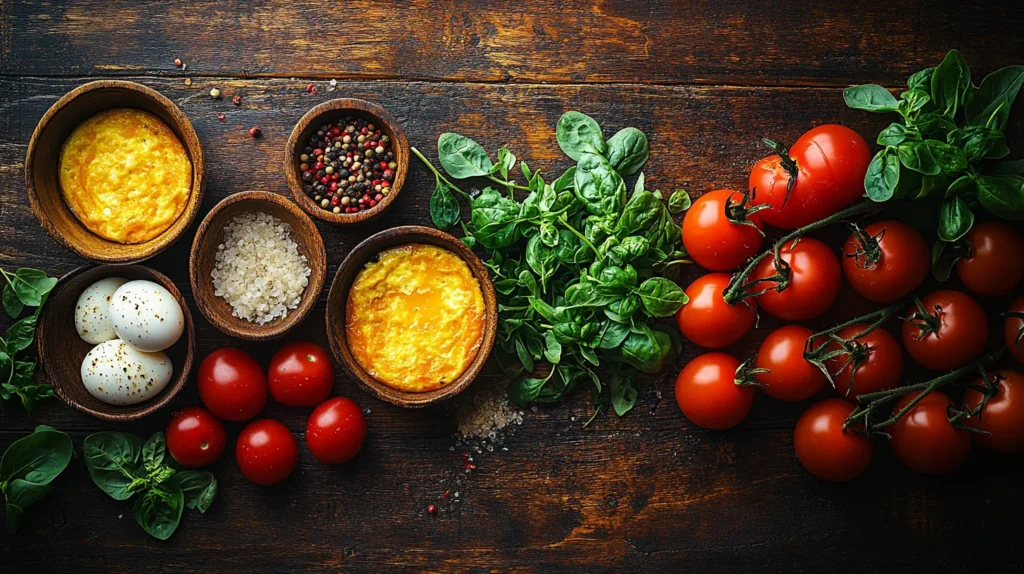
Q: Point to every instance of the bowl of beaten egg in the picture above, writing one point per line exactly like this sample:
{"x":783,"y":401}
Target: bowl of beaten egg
{"x":114,"y":172}
{"x":116,"y":342}
{"x":412,"y":315}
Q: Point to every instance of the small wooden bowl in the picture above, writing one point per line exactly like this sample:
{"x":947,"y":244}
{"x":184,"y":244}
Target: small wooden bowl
{"x":332,"y":111}
{"x":61,"y":351}
{"x":43,"y":157}
{"x":204,"y":250}
{"x":337,"y":301}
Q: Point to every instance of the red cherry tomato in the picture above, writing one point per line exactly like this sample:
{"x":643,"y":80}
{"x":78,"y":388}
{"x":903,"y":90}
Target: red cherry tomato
{"x":951,"y":333}
{"x":1002,"y":417}
{"x":712,"y":238}
{"x":708,"y":394}
{"x":878,"y":359}
{"x":790,"y":377}
{"x":301,"y":375}
{"x":824,"y":448}
{"x":924,"y":440}
{"x":336,"y":430}
{"x":814,"y":281}
{"x":996,"y":262}
{"x":707,"y":320}
{"x":232,"y":385}
{"x":831,"y":161}
{"x":887,"y":263}
{"x":195,"y":438}
{"x":266,"y":452}
{"x":1013,"y":329}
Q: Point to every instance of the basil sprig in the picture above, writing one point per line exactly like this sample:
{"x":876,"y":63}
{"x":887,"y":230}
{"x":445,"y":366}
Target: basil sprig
{"x":27,"y":469}
{"x":24,"y":288}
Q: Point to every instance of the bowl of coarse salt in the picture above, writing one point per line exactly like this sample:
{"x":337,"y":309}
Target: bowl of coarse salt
{"x":257,"y":266}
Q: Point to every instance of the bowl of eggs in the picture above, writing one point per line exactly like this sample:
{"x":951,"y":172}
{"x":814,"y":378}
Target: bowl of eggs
{"x":116,"y":342}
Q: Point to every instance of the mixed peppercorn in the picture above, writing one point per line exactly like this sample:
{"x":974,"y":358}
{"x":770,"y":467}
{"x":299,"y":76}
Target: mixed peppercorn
{"x":348,"y":166}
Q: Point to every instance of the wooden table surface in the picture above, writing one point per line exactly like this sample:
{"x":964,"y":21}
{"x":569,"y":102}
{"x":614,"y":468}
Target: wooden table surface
{"x":644,"y":493}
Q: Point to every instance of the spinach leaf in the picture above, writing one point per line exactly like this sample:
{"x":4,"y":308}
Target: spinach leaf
{"x":917,"y":156}
{"x":870,"y":97}
{"x":627,"y":151}
{"x":991,"y":105}
{"x":984,"y":143}
{"x":882,"y":176}
{"x":31,"y":286}
{"x":950,"y":82}
{"x":566,"y":180}
{"x":158,"y":510}
{"x":526,"y":390}
{"x":598,"y":185}
{"x":950,"y":159}
{"x":661,"y":297}
{"x":895,"y":134}
{"x":1002,"y":195}
{"x":955,"y":219}
{"x":113,"y":460}
{"x":647,"y":350}
{"x":921,"y":79}
{"x":623,"y":392}
{"x":27,"y":468}
{"x":577,"y":134}
{"x":462,"y":157}
{"x":20,"y":494}
{"x":444,"y":207}
{"x":199,"y":488}
{"x":552,"y":348}
{"x":12,"y":304}
{"x":679,"y":201}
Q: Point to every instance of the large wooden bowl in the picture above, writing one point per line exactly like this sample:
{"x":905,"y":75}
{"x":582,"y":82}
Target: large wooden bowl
{"x":43,"y":156}
{"x":61,"y":350}
{"x":335,"y":110}
{"x":204,"y":250}
{"x":337,"y":301}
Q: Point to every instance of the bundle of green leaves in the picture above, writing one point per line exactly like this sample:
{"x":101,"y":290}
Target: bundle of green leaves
{"x":27,"y":469}
{"x":25,"y":288}
{"x":944,"y":147}
{"x":122,"y":465}
{"x":579,"y":264}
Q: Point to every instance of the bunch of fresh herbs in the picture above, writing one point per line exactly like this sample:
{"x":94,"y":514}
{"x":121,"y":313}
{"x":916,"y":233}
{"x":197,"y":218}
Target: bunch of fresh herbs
{"x":27,"y":469}
{"x":25,"y":288}
{"x":578,"y":264}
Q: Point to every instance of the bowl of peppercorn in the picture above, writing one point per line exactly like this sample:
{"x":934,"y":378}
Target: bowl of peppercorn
{"x":346,"y":160}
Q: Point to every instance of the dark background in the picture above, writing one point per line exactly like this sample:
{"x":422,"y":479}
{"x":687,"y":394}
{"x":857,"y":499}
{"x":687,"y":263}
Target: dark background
{"x":647,"y":492}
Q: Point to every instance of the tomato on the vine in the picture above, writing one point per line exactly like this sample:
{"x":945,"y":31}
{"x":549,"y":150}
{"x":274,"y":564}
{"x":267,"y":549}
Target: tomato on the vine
{"x":713,"y":393}
{"x":707,"y":320}
{"x":194,"y":437}
{"x":266,"y":452}
{"x":814,"y":282}
{"x":718,"y":233}
{"x":232,"y":385}
{"x":874,"y":363}
{"x":995,"y":264}
{"x":301,"y":375}
{"x":1013,"y":329}
{"x":336,"y":430}
{"x":947,"y":332}
{"x":789,"y":376}
{"x":829,"y":163}
{"x":1002,"y":417}
{"x":824,"y":448}
{"x":886,"y":261}
{"x":924,"y":439}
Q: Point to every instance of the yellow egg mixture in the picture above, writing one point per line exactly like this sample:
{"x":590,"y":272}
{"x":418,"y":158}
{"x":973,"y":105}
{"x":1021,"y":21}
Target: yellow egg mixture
{"x":415,"y":318}
{"x":125,"y":175}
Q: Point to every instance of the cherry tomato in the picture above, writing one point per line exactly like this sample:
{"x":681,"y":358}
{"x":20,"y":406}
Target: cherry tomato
{"x":707,"y":320}
{"x":195,"y":437}
{"x":996,"y":264}
{"x":336,"y":430}
{"x":824,"y":448}
{"x":887,"y":263}
{"x":301,"y":375}
{"x":831,"y":161}
{"x":266,"y":452}
{"x":878,"y":359}
{"x":711,"y":236}
{"x":1013,"y":329}
{"x":951,"y":333}
{"x":814,"y":281}
{"x":1002,"y":417}
{"x":790,"y":377}
{"x":232,"y":385}
{"x":924,"y":440}
{"x":708,"y":394}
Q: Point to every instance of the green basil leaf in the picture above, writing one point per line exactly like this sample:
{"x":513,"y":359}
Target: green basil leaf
{"x":644,"y":350}
{"x":525,"y":391}
{"x":444,"y":207}
{"x":32,"y":285}
{"x":950,"y":159}
{"x":21,"y":494}
{"x":985,"y":143}
{"x":964,"y":184}
{"x":113,"y":460}
{"x":955,"y":219}
{"x":462,"y":157}
{"x":21,"y":333}
{"x":613,"y":334}
{"x":934,"y":125}
{"x":922,"y":79}
{"x":892,"y":135}
{"x":524,"y":356}
{"x":870,"y":97}
{"x":916,"y":156}
{"x":199,"y":488}
{"x":661,"y":297}
{"x":38,"y":458}
{"x":627,"y":150}
{"x":679,"y":201}
{"x":578,"y":133}
{"x":552,"y":348}
{"x":1002,"y":195}
{"x":153,"y":452}
{"x":949,"y":83}
{"x":913,"y":100}
{"x":882,"y":176}
{"x":158,"y":510}
{"x":12,"y":304}
{"x":991,"y":106}
{"x":599,"y":186}
{"x":623,"y":393}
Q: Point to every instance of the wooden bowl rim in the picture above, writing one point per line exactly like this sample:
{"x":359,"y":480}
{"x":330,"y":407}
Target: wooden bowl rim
{"x":338,"y":340}
{"x":152,"y":405}
{"x":291,"y":171}
{"x":317,"y":276}
{"x":147,"y":249}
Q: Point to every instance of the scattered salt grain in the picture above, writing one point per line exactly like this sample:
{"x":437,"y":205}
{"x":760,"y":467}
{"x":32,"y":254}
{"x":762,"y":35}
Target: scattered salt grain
{"x":485,"y":419}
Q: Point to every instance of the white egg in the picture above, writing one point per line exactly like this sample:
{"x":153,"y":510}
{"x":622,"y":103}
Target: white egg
{"x":91,"y":318}
{"x":146,"y":316}
{"x":117,"y":374}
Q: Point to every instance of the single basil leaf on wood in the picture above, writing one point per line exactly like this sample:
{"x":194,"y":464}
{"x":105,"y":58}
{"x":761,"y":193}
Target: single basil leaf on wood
{"x":21,"y":494}
{"x":882,"y":176}
{"x":199,"y":488}
{"x":12,"y":304}
{"x":892,"y":135}
{"x":32,"y":285}
{"x":950,"y":159}
{"x":38,"y":458}
{"x":870,"y":97}
{"x":1013,"y":167}
{"x":21,"y":333}
{"x":917,"y":156}
{"x":1002,"y":195}
{"x":679,"y":201}
{"x":599,"y":186}
{"x":627,"y":150}
{"x":577,"y":133}
{"x":950,"y":81}
{"x":462,"y":157}
{"x":624,"y":393}
{"x":985,"y":143}
{"x":955,"y":219}
{"x":661,"y":297}
{"x":113,"y":462}
{"x":158,"y":510}
{"x":444,"y":207}
{"x":921,"y":79}
{"x":995,"y":98}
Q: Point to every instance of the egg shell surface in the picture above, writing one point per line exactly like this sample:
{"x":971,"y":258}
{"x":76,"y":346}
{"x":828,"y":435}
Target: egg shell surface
{"x":92,"y":320}
{"x":146,"y":316}
{"x":117,"y":374}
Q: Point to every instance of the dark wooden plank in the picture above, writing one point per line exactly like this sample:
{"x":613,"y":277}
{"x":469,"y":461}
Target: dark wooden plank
{"x":647,"y":492}
{"x":662,"y":41}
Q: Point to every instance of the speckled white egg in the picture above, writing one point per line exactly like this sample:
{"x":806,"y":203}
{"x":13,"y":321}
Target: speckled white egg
{"x":146,"y":316}
{"x":92,"y":320}
{"x":117,"y":374}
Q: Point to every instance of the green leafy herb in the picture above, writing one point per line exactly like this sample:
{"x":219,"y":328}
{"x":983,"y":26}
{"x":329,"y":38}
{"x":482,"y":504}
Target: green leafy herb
{"x":577,"y":133}
{"x":679,"y":201}
{"x":24,"y":289}
{"x":27,"y":469}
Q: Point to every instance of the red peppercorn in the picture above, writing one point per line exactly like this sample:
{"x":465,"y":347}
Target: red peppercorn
{"x":237,"y":100}
{"x":310,"y":88}
{"x":221,"y":117}
{"x":447,"y":494}
{"x":318,"y":151}
{"x":177,"y":62}
{"x":432,"y":508}
{"x":255,"y":132}
{"x":319,"y":165}
{"x":335,"y":131}
{"x":335,"y":200}
{"x":378,"y":197}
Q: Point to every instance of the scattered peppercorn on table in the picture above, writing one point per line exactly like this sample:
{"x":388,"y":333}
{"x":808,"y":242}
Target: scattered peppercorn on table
{"x":547,"y":491}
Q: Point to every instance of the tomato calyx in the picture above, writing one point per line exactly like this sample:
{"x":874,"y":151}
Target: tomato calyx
{"x":828,"y":345}
{"x":869,"y":248}
{"x":739,"y":212}
{"x":927,"y":322}
{"x":1020,"y":328}
{"x":787,"y":163}
{"x":746,"y":373}
{"x":988,"y":389}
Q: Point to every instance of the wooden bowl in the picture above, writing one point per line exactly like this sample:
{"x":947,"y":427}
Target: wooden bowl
{"x":204,"y":250}
{"x":335,"y":110}
{"x":61,"y":351}
{"x":43,"y":156}
{"x":337,"y":301}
